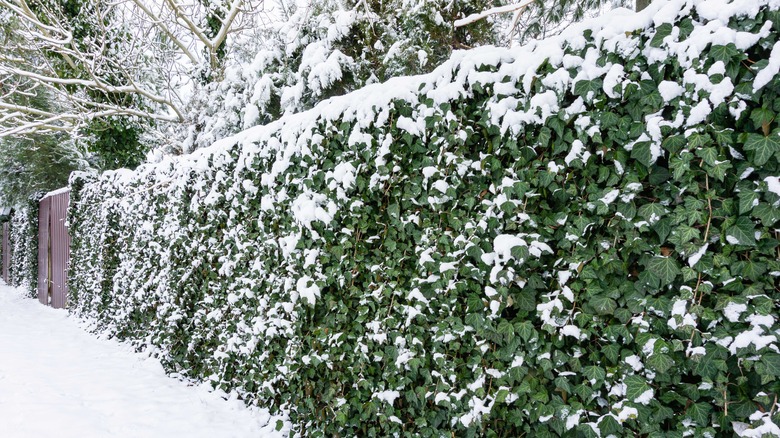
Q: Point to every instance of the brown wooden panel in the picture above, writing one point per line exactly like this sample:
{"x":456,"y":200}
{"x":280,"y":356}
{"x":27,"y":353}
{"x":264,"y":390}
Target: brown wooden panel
{"x":6,"y":251}
{"x":59,"y":248}
{"x":43,"y":250}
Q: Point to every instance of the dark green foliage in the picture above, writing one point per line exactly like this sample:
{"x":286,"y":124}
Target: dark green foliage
{"x":543,"y":18}
{"x":115,"y":143}
{"x":552,"y":255}
{"x":23,"y":244}
{"x":38,"y":164}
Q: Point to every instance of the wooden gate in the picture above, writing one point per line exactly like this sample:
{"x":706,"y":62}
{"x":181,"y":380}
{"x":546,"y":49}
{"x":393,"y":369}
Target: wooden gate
{"x":53,"y":249}
{"x":6,"y":251}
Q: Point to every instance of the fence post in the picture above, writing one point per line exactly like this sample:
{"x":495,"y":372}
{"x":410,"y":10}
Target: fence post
{"x":6,"y":252}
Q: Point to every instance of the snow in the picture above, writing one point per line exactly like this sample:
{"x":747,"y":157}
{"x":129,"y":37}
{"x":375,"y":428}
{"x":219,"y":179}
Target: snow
{"x":695,"y":257}
{"x":754,"y":336}
{"x":57,"y":192}
{"x":387,"y":396}
{"x":627,"y":412}
{"x":645,"y":397}
{"x":670,"y":90}
{"x":699,"y":113}
{"x":495,"y":10}
{"x":649,"y":348}
{"x":610,"y":197}
{"x":58,"y":380}
{"x":770,"y":71}
{"x":571,"y":330}
{"x":308,"y":289}
{"x":577,"y":151}
{"x":773,"y":184}
{"x":573,"y":420}
{"x":635,"y":362}
{"x":767,"y":427}
{"x":733,"y":310}
{"x":613,"y":78}
{"x":408,"y":125}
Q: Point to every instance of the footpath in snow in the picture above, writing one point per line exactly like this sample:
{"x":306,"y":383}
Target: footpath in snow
{"x":57,"y":380}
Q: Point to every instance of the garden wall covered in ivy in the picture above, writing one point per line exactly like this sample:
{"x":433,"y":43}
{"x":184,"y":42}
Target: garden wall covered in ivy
{"x":23,"y":246}
{"x":577,"y":237}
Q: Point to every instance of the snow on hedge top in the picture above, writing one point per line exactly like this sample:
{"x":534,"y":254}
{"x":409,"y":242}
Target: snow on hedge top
{"x":370,"y":106}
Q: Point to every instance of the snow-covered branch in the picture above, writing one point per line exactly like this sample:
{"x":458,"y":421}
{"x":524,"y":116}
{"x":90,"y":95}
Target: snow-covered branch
{"x":166,"y":30}
{"x":134,"y":60}
{"x":492,"y":11}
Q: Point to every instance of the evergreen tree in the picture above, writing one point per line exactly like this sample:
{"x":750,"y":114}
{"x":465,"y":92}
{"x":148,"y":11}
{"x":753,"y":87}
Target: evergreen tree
{"x":329,"y":48}
{"x":36,"y":163}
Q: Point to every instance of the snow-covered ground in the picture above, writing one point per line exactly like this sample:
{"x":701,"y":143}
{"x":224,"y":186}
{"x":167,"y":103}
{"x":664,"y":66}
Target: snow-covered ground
{"x":56,"y":380}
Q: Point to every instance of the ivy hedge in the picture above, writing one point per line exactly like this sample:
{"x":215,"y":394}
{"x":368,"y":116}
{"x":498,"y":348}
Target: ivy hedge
{"x":577,"y":237}
{"x":23,"y":243}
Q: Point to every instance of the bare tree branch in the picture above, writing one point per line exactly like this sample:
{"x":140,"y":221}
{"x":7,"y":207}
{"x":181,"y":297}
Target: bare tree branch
{"x":135,"y":50}
{"x":492,"y":11}
{"x":163,"y":27}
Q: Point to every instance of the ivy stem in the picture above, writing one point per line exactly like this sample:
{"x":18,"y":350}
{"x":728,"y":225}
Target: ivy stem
{"x":709,"y":208}
{"x":706,"y":233}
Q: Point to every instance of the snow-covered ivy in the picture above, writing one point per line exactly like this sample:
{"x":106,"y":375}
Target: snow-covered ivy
{"x":23,"y":245}
{"x":576,"y":237}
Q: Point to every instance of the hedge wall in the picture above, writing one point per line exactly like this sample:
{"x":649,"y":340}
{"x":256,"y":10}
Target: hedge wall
{"x":23,"y":269}
{"x":571,"y":238}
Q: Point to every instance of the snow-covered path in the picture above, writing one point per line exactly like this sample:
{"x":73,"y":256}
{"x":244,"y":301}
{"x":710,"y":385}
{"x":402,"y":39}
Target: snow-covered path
{"x":56,"y":380}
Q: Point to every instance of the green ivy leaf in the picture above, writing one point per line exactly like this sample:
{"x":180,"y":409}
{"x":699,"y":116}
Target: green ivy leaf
{"x":603,"y":305}
{"x":700,"y":141}
{"x":709,"y":155}
{"x":700,"y":413}
{"x":545,"y":135}
{"x":636,"y":386}
{"x":742,"y":232}
{"x":719,"y":170}
{"x":608,"y":119}
{"x":506,"y":329}
{"x":586,"y":430}
{"x":525,"y":300}
{"x":747,"y":200}
{"x":724,"y":53}
{"x":767,"y":214}
{"x":584,"y":87}
{"x":652,"y":212}
{"x":525,"y":330}
{"x":661,"y":363}
{"x":663,"y":228}
{"x":661,"y":32}
{"x":761,"y":117}
{"x":763,"y":147}
{"x":612,"y":352}
{"x":706,"y":367}
{"x":665,"y":268}
{"x":609,"y":426}
{"x":594,"y":373}
{"x":684,"y":234}
{"x":641,"y":152}
{"x":772,"y":363}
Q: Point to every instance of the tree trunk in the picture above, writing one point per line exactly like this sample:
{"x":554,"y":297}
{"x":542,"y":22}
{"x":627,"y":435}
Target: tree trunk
{"x":641,"y":4}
